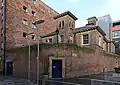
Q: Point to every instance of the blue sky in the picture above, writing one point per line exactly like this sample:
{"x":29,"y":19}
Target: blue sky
{"x":84,"y":9}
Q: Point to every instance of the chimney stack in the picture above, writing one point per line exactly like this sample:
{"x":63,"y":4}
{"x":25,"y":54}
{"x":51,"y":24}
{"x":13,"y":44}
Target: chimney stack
{"x":92,"y":20}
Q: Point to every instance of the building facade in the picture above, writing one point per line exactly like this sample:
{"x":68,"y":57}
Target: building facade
{"x":21,"y":15}
{"x":105,"y":23}
{"x":92,"y":34}
{"x":115,"y":35}
{"x":65,"y":26}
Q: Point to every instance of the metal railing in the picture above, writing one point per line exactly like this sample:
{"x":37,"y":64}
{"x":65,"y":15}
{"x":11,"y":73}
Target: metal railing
{"x":52,"y":82}
{"x":103,"y":82}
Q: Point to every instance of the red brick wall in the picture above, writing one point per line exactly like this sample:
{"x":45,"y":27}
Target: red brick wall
{"x":84,"y":63}
{"x":15,"y":14}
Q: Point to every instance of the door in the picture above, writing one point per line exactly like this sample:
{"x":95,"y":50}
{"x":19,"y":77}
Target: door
{"x":9,"y":68}
{"x":56,"y":68}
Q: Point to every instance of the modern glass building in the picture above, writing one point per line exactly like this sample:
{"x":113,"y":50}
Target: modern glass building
{"x":105,"y":23}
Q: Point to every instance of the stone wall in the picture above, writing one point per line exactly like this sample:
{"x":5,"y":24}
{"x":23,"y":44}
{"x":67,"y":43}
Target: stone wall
{"x":78,"y":60}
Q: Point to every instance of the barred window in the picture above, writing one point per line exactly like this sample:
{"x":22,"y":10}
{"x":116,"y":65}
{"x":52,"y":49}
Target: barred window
{"x":85,"y":39}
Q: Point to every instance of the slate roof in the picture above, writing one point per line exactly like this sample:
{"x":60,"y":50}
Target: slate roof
{"x":88,"y":28}
{"x":66,"y":13}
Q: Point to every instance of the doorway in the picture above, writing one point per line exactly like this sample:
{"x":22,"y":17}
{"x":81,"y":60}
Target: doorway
{"x":56,"y":68}
{"x":9,"y":68}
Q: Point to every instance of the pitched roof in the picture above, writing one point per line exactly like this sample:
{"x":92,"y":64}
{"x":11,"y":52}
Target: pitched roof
{"x":49,"y":34}
{"x":88,"y":28}
{"x":49,"y":7}
{"x":66,"y":13}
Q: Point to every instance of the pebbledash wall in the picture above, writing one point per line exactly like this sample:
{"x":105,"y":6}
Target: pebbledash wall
{"x":78,"y":60}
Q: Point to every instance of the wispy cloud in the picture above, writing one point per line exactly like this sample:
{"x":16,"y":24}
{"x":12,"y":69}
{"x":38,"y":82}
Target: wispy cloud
{"x":73,"y":1}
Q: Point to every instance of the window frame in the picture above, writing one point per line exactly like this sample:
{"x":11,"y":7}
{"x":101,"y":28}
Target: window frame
{"x":34,"y":37}
{"x":116,"y":34}
{"x":33,"y":26}
{"x":24,"y":33}
{"x":46,"y":40}
{"x":73,"y":25}
{"x":50,"y":40}
{"x":60,"y":24}
{"x":24,"y":21}
{"x":85,"y":40}
{"x":33,"y":13}
{"x":70,"y":23}
{"x":25,"y":8}
{"x":34,"y":2}
{"x":63,"y":24}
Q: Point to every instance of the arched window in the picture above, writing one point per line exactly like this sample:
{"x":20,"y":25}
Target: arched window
{"x":63,"y":23}
{"x":69,"y":23}
{"x":72,"y":24}
{"x":60,"y":24}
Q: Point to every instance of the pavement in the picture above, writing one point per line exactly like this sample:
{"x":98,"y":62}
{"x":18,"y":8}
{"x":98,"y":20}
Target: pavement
{"x":14,"y":81}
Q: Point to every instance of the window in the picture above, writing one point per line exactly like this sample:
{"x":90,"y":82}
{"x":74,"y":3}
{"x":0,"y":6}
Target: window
{"x":99,"y":40}
{"x":24,"y":21}
{"x":24,"y":34}
{"x":33,"y":26}
{"x":25,"y":9}
{"x":70,"y":24}
{"x":50,"y":40}
{"x":33,"y":13}
{"x":33,"y":1}
{"x":33,"y":37}
{"x":104,"y":46}
{"x":63,"y":24}
{"x":59,"y":24}
{"x":46,"y":40}
{"x":62,"y":38}
{"x":85,"y":39}
{"x":116,"y":34}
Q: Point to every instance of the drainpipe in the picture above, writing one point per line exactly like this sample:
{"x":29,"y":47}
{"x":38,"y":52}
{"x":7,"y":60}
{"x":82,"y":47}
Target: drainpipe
{"x":4,"y":35}
{"x":57,"y":32}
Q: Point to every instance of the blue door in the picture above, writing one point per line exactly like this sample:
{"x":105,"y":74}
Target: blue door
{"x":9,"y":68}
{"x":56,"y":68}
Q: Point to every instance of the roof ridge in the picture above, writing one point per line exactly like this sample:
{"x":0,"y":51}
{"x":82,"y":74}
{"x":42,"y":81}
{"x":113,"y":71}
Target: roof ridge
{"x":49,"y":7}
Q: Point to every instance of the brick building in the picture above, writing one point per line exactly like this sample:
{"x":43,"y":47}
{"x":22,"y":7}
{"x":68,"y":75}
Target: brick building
{"x":20,"y":16}
{"x":65,"y":25}
{"x":91,"y":34}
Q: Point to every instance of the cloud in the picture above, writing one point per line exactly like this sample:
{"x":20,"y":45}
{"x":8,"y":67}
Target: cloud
{"x":80,"y":23}
{"x":111,"y":7}
{"x":73,"y":1}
